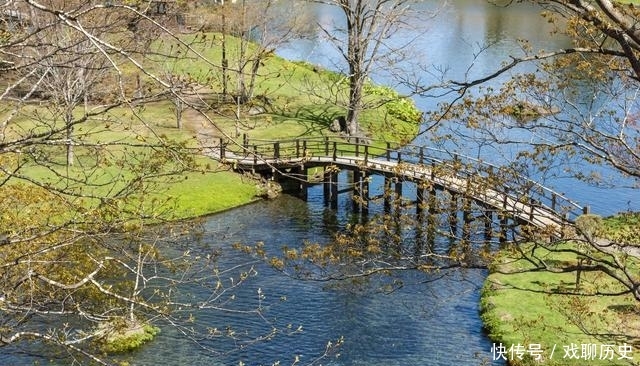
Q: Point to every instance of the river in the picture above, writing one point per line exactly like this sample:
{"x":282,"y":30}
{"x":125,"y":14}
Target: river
{"x":423,"y":322}
{"x":469,"y":39}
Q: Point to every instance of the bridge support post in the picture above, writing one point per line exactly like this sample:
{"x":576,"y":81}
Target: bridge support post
{"x":420,"y":201}
{"x":431,"y":220}
{"x":304,"y":183}
{"x":467,"y":219}
{"x":360,"y":192}
{"x":326,"y":188}
{"x":488,"y":224}
{"x":504,"y":221}
{"x":453,"y":213}
{"x":357,"y":190}
{"x":330,"y":188}
{"x":398,"y":192}
{"x":365,"y":194}
{"x":387,"y":194}
{"x":333,"y":182}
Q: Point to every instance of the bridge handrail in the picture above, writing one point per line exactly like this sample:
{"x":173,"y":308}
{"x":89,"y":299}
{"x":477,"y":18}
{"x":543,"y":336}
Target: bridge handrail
{"x":286,"y":149}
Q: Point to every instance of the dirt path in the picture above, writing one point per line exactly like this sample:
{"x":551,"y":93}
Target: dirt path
{"x":206,"y":133}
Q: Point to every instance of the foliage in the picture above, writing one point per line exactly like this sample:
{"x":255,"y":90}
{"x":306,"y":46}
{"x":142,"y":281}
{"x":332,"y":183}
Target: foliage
{"x":78,"y":244}
{"x":400,"y":107}
{"x":128,"y":339}
{"x":623,"y":228}
{"x":592,"y":135}
{"x":77,"y":250}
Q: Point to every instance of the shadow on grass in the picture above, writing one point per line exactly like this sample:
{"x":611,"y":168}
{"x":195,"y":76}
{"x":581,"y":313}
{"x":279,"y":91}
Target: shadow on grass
{"x":315,"y":119}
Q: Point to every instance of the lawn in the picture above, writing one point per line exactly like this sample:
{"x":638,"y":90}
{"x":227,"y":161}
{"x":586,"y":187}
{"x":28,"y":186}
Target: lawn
{"x":545,"y":310}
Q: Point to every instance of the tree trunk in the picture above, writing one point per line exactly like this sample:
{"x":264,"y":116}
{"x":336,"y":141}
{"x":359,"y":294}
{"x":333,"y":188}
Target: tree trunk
{"x":179,"y":105}
{"x":355,"y":58}
{"x":225,"y":62}
{"x":355,"y":101}
{"x":69,"y":138}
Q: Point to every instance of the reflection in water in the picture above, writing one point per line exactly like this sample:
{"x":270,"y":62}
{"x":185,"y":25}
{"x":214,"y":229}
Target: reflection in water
{"x":422,"y":322}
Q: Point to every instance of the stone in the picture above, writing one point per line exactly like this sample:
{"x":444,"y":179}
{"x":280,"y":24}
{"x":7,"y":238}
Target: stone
{"x":256,"y":110}
{"x":338,"y":125}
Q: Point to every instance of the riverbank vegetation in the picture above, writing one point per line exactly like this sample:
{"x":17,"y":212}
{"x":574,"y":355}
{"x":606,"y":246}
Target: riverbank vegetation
{"x":573,"y":317}
{"x":111,"y":117}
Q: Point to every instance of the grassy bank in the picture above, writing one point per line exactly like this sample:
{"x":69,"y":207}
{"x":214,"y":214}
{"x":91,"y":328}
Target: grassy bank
{"x":545,"y":310}
{"x":111,"y":152}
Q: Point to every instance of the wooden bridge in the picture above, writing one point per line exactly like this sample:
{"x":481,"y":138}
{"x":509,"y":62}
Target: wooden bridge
{"x":498,"y":189}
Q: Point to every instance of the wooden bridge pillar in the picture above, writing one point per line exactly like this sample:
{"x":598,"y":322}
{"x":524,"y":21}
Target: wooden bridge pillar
{"x":467,"y":218}
{"x":453,"y":213}
{"x":364,"y":193}
{"x":398,"y":189}
{"x":387,"y":194}
{"x":420,"y":201}
{"x":326,"y":188}
{"x":488,"y":223}
{"x":360,"y":191}
{"x":330,"y":189}
{"x":356,"y":200}
{"x":431,"y":220}
{"x":504,"y":221}
{"x":334,"y":190}
{"x":304,"y":183}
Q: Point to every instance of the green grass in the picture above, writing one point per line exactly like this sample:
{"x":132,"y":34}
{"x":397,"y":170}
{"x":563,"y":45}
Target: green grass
{"x":545,"y":308}
{"x":203,"y":193}
{"x":623,"y":227}
{"x":302,"y":96}
{"x":296,"y":111}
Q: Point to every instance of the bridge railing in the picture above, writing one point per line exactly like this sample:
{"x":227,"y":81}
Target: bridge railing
{"x":504,"y":179}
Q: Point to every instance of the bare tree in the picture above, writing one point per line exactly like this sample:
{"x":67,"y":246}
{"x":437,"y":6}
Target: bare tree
{"x":68,"y":71}
{"x":252,"y":30}
{"x":364,"y":44}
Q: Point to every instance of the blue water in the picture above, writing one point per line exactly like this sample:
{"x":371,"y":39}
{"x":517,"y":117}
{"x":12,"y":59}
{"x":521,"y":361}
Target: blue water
{"x":423,"y":322}
{"x":454,"y":45}
{"x":420,"y":323}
